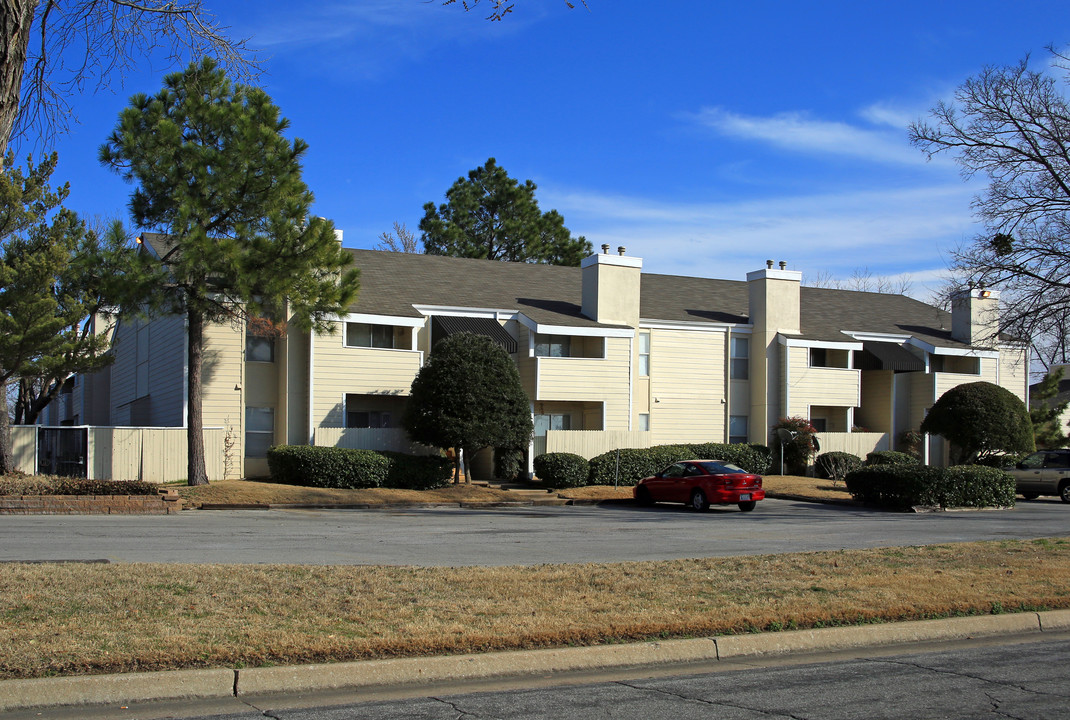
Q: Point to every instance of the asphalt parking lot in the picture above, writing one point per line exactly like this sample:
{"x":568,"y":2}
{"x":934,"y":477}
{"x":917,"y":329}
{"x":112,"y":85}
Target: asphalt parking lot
{"x":503,"y":536}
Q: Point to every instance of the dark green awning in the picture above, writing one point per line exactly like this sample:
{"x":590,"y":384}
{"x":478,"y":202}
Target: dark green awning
{"x":443,"y":326}
{"x":889,"y":356}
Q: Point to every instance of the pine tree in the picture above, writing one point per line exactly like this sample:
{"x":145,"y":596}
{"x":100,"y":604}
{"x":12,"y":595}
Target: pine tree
{"x":491,"y":216}
{"x":54,"y":274}
{"x":216,"y":174}
{"x":1047,"y":430}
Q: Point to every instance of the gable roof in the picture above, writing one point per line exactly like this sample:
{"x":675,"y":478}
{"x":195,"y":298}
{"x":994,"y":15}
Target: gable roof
{"x":392,"y":283}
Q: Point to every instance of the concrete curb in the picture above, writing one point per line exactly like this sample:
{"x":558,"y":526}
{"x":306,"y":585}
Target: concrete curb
{"x":189,"y":684}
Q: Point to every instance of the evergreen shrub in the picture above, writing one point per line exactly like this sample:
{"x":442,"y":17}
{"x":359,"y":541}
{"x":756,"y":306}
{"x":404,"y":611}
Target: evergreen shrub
{"x":904,"y":486}
{"x":835,"y":465}
{"x":327,"y":467}
{"x":417,"y":472}
{"x":562,"y":470}
{"x":890,"y":457}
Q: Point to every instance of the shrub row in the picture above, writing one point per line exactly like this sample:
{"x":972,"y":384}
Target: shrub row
{"x":629,"y":465}
{"x":903,"y":486}
{"x":26,"y":485}
{"x":331,"y":467}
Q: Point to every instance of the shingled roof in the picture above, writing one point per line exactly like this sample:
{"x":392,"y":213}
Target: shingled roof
{"x":392,"y":283}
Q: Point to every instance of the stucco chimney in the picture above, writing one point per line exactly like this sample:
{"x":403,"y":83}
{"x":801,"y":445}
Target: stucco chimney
{"x":611,"y":289}
{"x":773,"y":308}
{"x":975,"y":316}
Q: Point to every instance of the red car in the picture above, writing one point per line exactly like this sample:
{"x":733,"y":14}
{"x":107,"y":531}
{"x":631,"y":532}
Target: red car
{"x":700,"y":483}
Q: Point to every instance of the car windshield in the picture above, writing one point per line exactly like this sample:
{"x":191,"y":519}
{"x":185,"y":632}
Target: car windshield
{"x":716,"y":467}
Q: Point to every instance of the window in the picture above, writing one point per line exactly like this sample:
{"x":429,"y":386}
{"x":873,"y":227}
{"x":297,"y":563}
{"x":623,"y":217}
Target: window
{"x":819,"y":424}
{"x":737,"y":429}
{"x":368,"y":335}
{"x":552,"y":422}
{"x":818,"y":357}
{"x":553,"y":345}
{"x":368,"y":419}
{"x":259,"y":431}
{"x":644,"y":354}
{"x":740,"y":358}
{"x":259,"y":348}
{"x":644,"y":421}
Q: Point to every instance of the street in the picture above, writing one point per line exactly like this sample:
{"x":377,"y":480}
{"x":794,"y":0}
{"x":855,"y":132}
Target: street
{"x":503,"y":536}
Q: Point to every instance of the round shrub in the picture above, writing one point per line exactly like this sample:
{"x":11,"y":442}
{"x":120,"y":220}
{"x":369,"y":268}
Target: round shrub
{"x":327,"y":467}
{"x":894,"y":486}
{"x":561,"y":470}
{"x":835,"y":465}
{"x":890,"y":457}
{"x":980,"y":419}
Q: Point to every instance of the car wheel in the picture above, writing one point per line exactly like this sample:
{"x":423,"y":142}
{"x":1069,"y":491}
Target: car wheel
{"x":643,"y":497}
{"x":699,"y":501}
{"x":748,"y":506}
{"x":1064,"y":491}
{"x":1030,"y":495}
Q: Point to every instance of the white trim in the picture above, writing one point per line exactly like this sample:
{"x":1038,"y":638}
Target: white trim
{"x":774,"y":274}
{"x":960,"y":352}
{"x":459,"y":311}
{"x":383,"y":320}
{"x":575,"y":331}
{"x":862,"y":336}
{"x":825,"y":344}
{"x":647,"y":324}
{"x":618,"y":260}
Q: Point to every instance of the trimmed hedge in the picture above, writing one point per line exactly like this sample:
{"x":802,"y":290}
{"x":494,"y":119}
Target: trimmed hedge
{"x":417,"y":472}
{"x":638,"y":463}
{"x":836,"y":464}
{"x":28,"y":485}
{"x":891,"y":457}
{"x":904,"y":486}
{"x":327,"y":467}
{"x":562,"y":470}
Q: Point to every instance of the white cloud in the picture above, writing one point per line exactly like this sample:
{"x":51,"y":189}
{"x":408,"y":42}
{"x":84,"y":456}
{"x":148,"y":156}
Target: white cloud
{"x":888,"y":232}
{"x":798,"y":132}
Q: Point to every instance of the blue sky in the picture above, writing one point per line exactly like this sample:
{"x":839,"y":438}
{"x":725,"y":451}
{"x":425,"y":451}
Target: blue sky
{"x":706,"y":137}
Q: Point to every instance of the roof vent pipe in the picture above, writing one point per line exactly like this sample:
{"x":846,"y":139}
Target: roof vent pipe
{"x":769,"y":264}
{"x":783,"y":265}
{"x":621,"y":249}
{"x":605,"y":249}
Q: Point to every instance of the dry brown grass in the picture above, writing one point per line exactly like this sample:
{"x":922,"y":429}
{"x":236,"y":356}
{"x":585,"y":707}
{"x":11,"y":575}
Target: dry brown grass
{"x":71,"y":618}
{"x":252,"y":491}
{"x":805,"y":487}
{"x":596,"y":492}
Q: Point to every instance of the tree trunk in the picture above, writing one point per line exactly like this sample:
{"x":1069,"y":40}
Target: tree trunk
{"x":195,"y":474}
{"x":7,"y":460}
{"x":16,"y":20}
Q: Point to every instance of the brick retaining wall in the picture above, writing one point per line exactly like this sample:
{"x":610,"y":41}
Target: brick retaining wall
{"x":166,"y":503}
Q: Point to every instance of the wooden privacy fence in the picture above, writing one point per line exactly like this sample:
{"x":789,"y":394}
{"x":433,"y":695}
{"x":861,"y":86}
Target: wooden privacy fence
{"x":392,"y":439}
{"x":589,"y":443}
{"x":859,"y":443}
{"x":121,"y":453}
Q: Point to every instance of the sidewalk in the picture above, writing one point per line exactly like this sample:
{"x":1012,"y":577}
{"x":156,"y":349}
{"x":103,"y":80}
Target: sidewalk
{"x":122,"y":690}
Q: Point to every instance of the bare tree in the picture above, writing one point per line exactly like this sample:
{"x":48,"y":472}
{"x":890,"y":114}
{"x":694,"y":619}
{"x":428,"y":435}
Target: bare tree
{"x":1012,"y":125}
{"x":50,"y":50}
{"x":863,"y":280}
{"x":401,"y":240}
{"x":498,"y":8}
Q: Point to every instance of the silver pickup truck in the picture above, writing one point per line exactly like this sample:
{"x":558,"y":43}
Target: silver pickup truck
{"x":1043,"y":473}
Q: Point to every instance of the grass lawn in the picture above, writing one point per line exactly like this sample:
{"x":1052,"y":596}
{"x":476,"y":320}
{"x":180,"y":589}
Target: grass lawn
{"x":251,"y":491}
{"x":61,"y":619}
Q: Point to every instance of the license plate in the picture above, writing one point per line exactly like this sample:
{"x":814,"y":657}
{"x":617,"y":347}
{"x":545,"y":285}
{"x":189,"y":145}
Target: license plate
{"x":744,"y":496}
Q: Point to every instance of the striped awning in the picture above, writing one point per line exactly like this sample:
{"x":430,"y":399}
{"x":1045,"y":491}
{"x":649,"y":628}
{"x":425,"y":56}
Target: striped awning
{"x":889,"y":356}
{"x":443,"y":326}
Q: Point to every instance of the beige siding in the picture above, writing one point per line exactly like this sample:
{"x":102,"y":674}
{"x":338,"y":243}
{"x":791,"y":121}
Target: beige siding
{"x":297,"y":384}
{"x":921,"y":397}
{"x":687,"y":386}
{"x":339,"y":370}
{"x":605,"y":380}
{"x":1014,"y":371}
{"x":827,"y":387}
{"x":946,"y":381}
{"x":167,"y":368}
{"x":223,"y":379}
{"x":875,"y":411}
{"x":24,"y":448}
